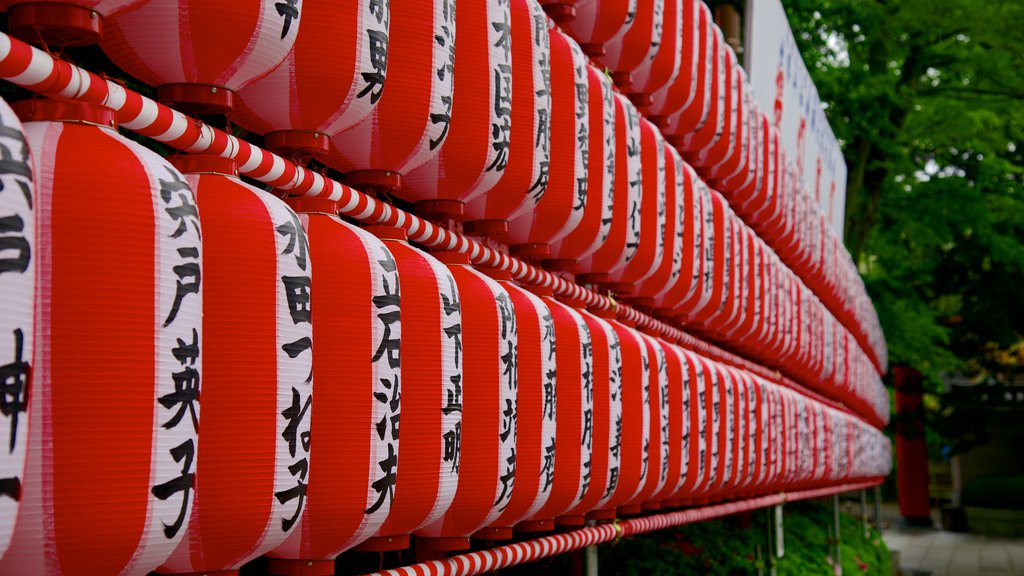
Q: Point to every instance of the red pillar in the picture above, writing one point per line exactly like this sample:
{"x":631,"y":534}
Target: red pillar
{"x":911,"y":450}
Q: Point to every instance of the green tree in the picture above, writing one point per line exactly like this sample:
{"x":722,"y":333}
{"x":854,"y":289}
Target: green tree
{"x":925,"y":96}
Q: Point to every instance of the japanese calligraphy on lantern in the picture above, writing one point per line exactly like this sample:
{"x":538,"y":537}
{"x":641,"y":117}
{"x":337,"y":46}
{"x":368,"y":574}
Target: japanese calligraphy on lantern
{"x":17,"y":284}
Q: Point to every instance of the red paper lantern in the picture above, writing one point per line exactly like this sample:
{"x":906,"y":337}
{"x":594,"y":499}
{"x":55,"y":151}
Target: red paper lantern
{"x":538,"y":380}
{"x":606,"y":430}
{"x":574,"y":409}
{"x":62,"y":22}
{"x":432,"y":394}
{"x":659,"y":449}
{"x":597,"y":23}
{"x":560,"y":209}
{"x":17,"y":311}
{"x":689,"y":233}
{"x":487,"y":468}
{"x":142,"y":450}
{"x":709,"y":153}
{"x":651,"y":246}
{"x":413,"y":116}
{"x":674,"y":419}
{"x":684,"y":105}
{"x":669,"y":266}
{"x":637,"y":46}
{"x":529,"y":145}
{"x":474,"y":154}
{"x":662,"y":67}
{"x":198,"y":54}
{"x":634,"y":427}
{"x":358,"y":335}
{"x":624,"y":237}
{"x":692,"y":127}
{"x":594,"y":227}
{"x":330,"y":80}
{"x":256,"y":292}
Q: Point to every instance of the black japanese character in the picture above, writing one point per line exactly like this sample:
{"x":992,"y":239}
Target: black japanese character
{"x":183,"y":453}
{"x":14,"y":387}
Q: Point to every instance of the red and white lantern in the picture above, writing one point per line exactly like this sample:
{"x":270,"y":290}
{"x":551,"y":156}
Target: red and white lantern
{"x":474,"y":155}
{"x":17,"y":312}
{"x":413,"y":116}
{"x":595,"y":24}
{"x":487,"y":466}
{"x":651,"y":246}
{"x":606,"y":429}
{"x":637,"y":46}
{"x":522,"y":183}
{"x":431,"y":395}
{"x":596,"y":223}
{"x":536,"y":403}
{"x":662,"y":65}
{"x":569,"y":476}
{"x":624,"y":238}
{"x":62,"y":22}
{"x":256,"y":293}
{"x":137,"y":440}
{"x":634,"y":427}
{"x":561,"y":208}
{"x":331,"y":79}
{"x":358,"y":332}
{"x":197,"y":53}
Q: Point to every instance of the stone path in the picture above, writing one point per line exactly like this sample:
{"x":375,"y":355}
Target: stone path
{"x":935,"y":552}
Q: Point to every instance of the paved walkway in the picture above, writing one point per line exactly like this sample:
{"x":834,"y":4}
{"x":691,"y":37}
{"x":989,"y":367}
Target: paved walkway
{"x":935,"y":552}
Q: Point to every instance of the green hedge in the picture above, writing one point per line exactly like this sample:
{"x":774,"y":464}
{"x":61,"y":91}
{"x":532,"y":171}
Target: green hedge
{"x":1004,"y":492}
{"x":727,"y":547}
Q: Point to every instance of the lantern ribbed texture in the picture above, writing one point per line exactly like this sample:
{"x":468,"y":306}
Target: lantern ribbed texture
{"x":152,"y":325}
{"x":474,"y":154}
{"x":694,"y":432}
{"x":257,"y":366}
{"x":536,"y":403}
{"x":681,"y":92}
{"x":560,"y":209}
{"x":412,"y":118}
{"x":358,"y":332}
{"x":674,"y":405}
{"x":597,"y":23}
{"x":574,"y":410}
{"x":662,"y":65}
{"x":431,"y":405}
{"x":651,"y":245}
{"x":529,"y":144}
{"x":638,"y":45}
{"x":213,"y":48}
{"x":606,"y":449}
{"x":487,"y":466}
{"x":17,"y":311}
{"x":669,"y":266}
{"x":701,"y":109}
{"x":624,"y":237}
{"x":595,"y":225}
{"x":331,"y":79}
{"x":656,"y":441}
{"x":634,"y":426}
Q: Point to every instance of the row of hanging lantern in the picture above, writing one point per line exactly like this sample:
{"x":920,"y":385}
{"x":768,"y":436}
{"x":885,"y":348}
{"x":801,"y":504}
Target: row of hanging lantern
{"x":467,"y":163}
{"x":208,"y":276}
{"x":519,"y":410}
{"x":672,"y":61}
{"x":668,"y":56}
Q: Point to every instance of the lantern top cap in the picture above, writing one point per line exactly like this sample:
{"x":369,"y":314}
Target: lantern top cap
{"x":498,"y":274}
{"x":60,"y":110}
{"x":388,"y":233}
{"x":204,"y":164}
{"x":312,"y":205}
{"x":452,"y":258}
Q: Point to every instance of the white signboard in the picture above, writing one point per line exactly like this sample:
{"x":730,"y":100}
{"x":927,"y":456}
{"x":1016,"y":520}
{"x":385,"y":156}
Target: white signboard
{"x":784,"y":89}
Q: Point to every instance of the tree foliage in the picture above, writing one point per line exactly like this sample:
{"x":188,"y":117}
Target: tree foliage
{"x":925,"y":96}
